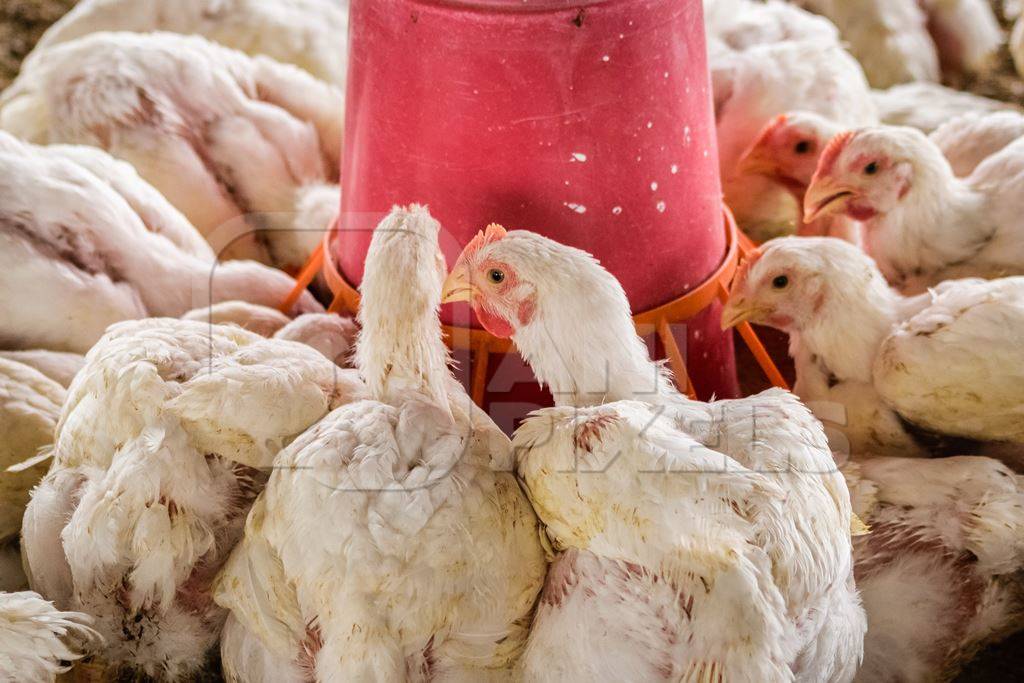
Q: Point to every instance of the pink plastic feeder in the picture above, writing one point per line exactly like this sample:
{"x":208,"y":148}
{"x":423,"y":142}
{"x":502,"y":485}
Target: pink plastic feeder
{"x":590,"y":122}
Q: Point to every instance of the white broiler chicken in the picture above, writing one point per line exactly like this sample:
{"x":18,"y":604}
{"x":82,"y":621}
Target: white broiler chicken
{"x":60,"y":366}
{"x":889,"y":38}
{"x":72,"y":241}
{"x":789,"y":146}
{"x":694,"y":545}
{"x":938,"y":373}
{"x":156,"y":213}
{"x":940,"y":572}
{"x":330,"y":334}
{"x":263,"y":320}
{"x":968,"y":140}
{"x":926,"y":106}
{"x":392,"y":541}
{"x":754,"y":85}
{"x":37,"y":641}
{"x":157,"y":459}
{"x":966,"y":34}
{"x":786,"y":152}
{"x":741,"y":24}
{"x":310,"y":34}
{"x":234,"y":142}
{"x":921,"y":223}
{"x":152,"y":208}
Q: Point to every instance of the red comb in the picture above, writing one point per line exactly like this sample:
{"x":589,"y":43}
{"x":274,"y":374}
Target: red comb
{"x":744,"y":268}
{"x":493,"y":233}
{"x":770,"y":128}
{"x":831,"y":154}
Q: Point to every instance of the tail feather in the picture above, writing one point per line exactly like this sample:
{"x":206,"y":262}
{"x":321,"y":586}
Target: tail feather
{"x":37,"y":641}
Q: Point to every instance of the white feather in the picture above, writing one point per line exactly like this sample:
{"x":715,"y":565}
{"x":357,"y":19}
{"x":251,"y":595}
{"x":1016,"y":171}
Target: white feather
{"x":232,"y":141}
{"x":700,"y":540}
{"x":385,"y":547}
{"x":937,"y":570}
{"x":155,"y":467}
{"x":71,"y":239}
{"x":307,"y":33}
{"x":36,"y":640}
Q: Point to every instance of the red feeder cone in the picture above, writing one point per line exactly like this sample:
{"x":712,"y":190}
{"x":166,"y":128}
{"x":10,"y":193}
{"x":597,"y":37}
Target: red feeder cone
{"x":590,"y":122}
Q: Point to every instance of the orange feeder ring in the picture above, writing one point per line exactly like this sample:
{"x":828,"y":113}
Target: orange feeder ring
{"x":659,"y":319}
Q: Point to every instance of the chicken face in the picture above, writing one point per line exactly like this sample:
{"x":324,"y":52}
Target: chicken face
{"x":487,"y":278}
{"x":788,"y":148}
{"x":861,"y":174}
{"x":781,"y":285}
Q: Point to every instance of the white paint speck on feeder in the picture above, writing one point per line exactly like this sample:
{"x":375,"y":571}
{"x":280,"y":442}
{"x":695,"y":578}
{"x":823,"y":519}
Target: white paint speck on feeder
{"x":660,"y":206}
{"x":696,"y":335}
{"x":654,"y":186}
{"x":674,"y":169}
{"x":578,"y":156}
{"x":605,"y":58}
{"x":650,"y":124}
{"x":572,"y":206}
{"x":616,"y":210}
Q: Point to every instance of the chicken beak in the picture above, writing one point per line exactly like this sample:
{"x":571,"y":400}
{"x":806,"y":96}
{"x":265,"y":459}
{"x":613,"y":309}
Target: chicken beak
{"x":457,"y":286}
{"x":738,"y":310}
{"x":826,"y":197}
{"x":756,"y":162}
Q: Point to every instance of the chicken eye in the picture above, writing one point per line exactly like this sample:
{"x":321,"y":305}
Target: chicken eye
{"x":802,"y":147}
{"x":780,"y":282}
{"x":872,"y":168}
{"x":495,"y":276}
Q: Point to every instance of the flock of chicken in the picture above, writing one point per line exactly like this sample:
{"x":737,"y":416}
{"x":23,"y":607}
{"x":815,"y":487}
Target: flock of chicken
{"x":217,"y":486}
